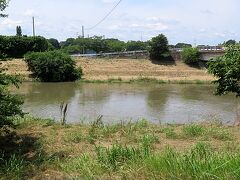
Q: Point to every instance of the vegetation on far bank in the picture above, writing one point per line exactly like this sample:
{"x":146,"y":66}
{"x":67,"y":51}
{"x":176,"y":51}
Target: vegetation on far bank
{"x":190,"y":56}
{"x":44,"y":149}
{"x":125,"y":70}
{"x":146,"y":80}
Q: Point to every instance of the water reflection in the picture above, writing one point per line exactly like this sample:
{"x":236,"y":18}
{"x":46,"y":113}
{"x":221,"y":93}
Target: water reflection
{"x":158,"y":103}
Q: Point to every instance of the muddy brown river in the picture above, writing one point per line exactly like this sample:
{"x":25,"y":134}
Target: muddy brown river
{"x":167,"y":103}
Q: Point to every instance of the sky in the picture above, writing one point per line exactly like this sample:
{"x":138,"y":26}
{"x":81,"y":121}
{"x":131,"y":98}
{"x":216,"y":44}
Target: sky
{"x":208,"y":22}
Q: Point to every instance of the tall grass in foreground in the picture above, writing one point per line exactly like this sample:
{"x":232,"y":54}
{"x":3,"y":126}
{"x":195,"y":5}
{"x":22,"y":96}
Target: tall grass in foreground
{"x":12,"y":167}
{"x":116,"y":156}
{"x":201,"y":162}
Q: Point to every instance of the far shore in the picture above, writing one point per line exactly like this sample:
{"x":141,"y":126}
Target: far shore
{"x":101,"y":70}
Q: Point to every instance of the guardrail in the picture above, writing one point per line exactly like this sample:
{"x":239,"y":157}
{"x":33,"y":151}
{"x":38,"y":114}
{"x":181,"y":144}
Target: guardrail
{"x":145,"y":53}
{"x":120,"y":54}
{"x":202,"y":49}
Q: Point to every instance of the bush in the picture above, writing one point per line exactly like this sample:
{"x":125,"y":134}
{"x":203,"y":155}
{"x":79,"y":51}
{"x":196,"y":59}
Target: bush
{"x":190,"y":56}
{"x":18,"y":46}
{"x":53,"y":66}
{"x":10,"y":105}
{"x":159,"y":48}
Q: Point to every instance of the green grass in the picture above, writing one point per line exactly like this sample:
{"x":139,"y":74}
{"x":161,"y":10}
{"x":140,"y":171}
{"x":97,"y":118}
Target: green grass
{"x":85,"y":165}
{"x":193,"y":130}
{"x":12,"y":167}
{"x":117,"y":156}
{"x":145,"y":80}
{"x":201,"y":162}
{"x":170,"y":133}
{"x":220,"y":134}
{"x":74,"y":137}
{"x":133,"y":150}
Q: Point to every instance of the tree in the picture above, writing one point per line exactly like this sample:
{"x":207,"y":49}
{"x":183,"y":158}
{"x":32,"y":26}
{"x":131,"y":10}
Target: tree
{"x":183,"y":45}
{"x":136,"y":46}
{"x":53,"y":66}
{"x":54,"y":43}
{"x":17,"y":46}
{"x":227,"y":71}
{"x":10,"y":105}
{"x":230,"y":42}
{"x":115,"y":45}
{"x":190,"y":56}
{"x":3,"y":5}
{"x":159,"y":48}
{"x":18,"y":31}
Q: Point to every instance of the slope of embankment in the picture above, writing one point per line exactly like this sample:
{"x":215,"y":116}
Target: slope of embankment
{"x":124,"y":69}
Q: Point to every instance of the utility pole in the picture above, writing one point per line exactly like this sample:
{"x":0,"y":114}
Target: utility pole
{"x":195,"y":43}
{"x":33,"y":21}
{"x":141,"y":37}
{"x":83,"y":31}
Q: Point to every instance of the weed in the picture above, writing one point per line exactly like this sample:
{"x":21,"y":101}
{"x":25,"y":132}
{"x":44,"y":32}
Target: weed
{"x":199,"y":163}
{"x":148,"y":140}
{"x":92,"y":136}
{"x":170,"y":133}
{"x":220,"y":134}
{"x":193,"y":130}
{"x":75,"y":137}
{"x":107,"y":130}
{"x":85,"y":165}
{"x":116,"y":156}
{"x":12,"y":167}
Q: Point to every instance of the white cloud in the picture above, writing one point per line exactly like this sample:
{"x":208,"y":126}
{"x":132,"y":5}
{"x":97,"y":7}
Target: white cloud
{"x":182,"y":21}
{"x":30,"y":12}
{"x":109,"y":1}
{"x":10,"y":23}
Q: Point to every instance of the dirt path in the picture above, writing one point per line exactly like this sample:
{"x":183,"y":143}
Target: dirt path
{"x":126,"y":69}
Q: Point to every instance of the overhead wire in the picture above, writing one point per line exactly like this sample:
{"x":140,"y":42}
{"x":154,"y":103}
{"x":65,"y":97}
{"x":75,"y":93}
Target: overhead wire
{"x":106,"y":16}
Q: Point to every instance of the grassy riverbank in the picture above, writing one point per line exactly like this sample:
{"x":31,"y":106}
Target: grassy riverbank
{"x":43,"y":149}
{"x":105,"y":70}
{"x":146,"y":80}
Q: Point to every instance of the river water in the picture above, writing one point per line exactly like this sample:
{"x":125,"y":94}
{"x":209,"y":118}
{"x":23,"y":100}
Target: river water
{"x":167,"y":103}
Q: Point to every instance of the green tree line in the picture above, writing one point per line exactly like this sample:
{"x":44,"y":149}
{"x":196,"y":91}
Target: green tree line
{"x":18,"y":46}
{"x":98,"y":44}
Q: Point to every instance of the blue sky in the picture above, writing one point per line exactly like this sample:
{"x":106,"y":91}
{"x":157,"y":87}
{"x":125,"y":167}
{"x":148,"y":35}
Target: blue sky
{"x":204,"y":22}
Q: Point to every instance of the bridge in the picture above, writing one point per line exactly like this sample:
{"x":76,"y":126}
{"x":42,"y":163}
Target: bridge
{"x":207,"y":53}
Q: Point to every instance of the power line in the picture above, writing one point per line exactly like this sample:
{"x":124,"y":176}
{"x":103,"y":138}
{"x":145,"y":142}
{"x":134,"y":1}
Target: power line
{"x":105,"y":17}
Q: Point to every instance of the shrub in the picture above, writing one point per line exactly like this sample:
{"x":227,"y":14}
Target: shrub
{"x":10,"y":105}
{"x":18,"y":46}
{"x":190,"y":56}
{"x":53,"y":66}
{"x":159,"y":48}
